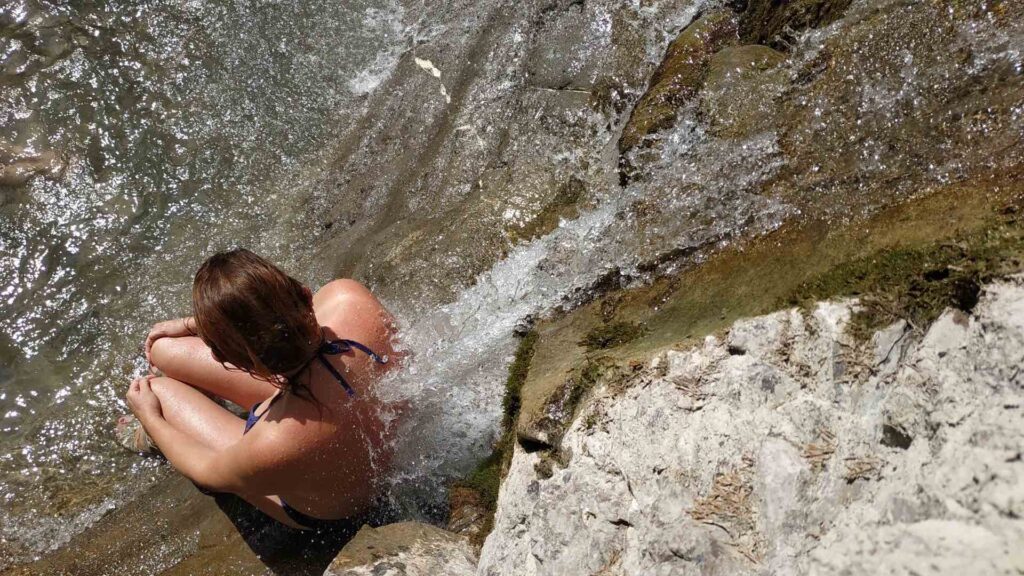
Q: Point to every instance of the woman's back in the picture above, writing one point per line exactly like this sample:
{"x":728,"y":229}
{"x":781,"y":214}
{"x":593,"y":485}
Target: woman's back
{"x":326,"y":450}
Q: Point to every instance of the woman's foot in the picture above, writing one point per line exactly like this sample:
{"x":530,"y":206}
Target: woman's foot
{"x":132,"y":436}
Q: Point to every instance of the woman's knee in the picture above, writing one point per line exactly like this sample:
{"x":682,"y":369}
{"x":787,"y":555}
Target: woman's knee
{"x":168,"y":352}
{"x":163,"y":387}
{"x":172,"y":392}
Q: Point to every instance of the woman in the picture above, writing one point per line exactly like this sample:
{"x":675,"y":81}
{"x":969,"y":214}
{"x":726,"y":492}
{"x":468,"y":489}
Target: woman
{"x":313,"y":443}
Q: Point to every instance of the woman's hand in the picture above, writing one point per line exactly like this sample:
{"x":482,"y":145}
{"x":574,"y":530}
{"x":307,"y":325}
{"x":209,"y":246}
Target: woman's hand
{"x":167,"y":329}
{"x":142,"y":400}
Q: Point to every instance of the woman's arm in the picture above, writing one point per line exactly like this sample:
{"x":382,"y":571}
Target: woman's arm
{"x":169,"y":329}
{"x":238,"y":469}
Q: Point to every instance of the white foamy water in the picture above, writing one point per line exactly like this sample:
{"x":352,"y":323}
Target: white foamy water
{"x":187,"y":127}
{"x":389,"y":22}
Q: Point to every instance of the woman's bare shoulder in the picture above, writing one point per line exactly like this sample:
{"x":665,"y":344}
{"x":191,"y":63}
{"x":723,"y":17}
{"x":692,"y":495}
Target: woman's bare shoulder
{"x":341,"y":288}
{"x":354,"y":312}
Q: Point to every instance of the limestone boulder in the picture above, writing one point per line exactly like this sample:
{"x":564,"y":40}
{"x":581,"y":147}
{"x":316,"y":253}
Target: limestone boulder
{"x":405,"y":549}
{"x":788,"y":447}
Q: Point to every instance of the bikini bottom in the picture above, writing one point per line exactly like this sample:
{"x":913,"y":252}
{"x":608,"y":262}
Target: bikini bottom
{"x":307,"y":522}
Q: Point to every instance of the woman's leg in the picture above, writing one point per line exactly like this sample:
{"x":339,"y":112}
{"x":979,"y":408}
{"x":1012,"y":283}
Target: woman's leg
{"x":192,"y":412}
{"x":188,"y":359}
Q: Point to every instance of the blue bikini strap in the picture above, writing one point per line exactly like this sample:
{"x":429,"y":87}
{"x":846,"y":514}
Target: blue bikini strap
{"x":338,"y":347}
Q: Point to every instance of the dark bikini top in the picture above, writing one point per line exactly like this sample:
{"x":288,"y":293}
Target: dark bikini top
{"x":331,"y":347}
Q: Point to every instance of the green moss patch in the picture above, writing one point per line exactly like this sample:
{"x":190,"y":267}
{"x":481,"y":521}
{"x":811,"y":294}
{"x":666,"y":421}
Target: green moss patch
{"x":611,"y":334}
{"x":517,"y":373}
{"x":485,"y":479}
{"x":908,"y":261}
{"x":917,"y":284}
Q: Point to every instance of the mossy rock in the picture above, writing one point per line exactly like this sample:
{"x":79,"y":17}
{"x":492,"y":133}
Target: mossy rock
{"x":909,"y":261}
{"x":775,"y":22}
{"x":564,"y":205}
{"x":679,"y":77}
{"x":485,"y":479}
{"x":738,"y":61}
{"x":611,"y":335}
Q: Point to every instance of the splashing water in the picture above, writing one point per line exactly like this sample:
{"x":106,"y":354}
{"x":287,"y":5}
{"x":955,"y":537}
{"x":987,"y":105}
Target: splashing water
{"x":462,"y":350}
{"x":229,"y":133}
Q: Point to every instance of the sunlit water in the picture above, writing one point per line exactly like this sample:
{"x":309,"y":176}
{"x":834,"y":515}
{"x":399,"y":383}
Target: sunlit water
{"x":178,"y":127}
{"x":182,"y":128}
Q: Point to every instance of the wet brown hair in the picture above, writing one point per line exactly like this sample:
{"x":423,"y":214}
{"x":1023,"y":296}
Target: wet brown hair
{"x":255,"y":317}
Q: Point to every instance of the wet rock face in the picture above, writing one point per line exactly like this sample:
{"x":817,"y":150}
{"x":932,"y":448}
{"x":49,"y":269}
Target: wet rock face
{"x":887,"y":99}
{"x":874,"y":101}
{"x":429,"y":187}
{"x":404,"y":549}
{"x":679,"y":76}
{"x":789,"y":448}
{"x":777,"y":23}
{"x":922,"y":119}
{"x":607,"y":49}
{"x":742,"y":85}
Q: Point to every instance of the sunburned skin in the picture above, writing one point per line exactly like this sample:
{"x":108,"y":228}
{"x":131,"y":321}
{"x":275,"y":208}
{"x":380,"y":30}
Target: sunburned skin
{"x":320,"y":457}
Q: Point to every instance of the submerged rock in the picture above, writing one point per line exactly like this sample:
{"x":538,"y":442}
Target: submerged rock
{"x":789,"y":448}
{"x":18,"y":165}
{"x":740,"y":90}
{"x":776,"y":23}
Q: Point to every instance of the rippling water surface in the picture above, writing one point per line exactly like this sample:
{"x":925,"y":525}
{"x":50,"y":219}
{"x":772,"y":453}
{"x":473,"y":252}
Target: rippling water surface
{"x":168,"y":129}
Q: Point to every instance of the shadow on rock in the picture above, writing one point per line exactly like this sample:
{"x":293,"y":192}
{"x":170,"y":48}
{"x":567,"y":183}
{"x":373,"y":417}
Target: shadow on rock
{"x":285,"y":550}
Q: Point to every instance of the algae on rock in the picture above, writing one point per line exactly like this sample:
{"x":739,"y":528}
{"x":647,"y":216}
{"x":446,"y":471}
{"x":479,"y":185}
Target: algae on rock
{"x":740,"y":90}
{"x":777,"y":23}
